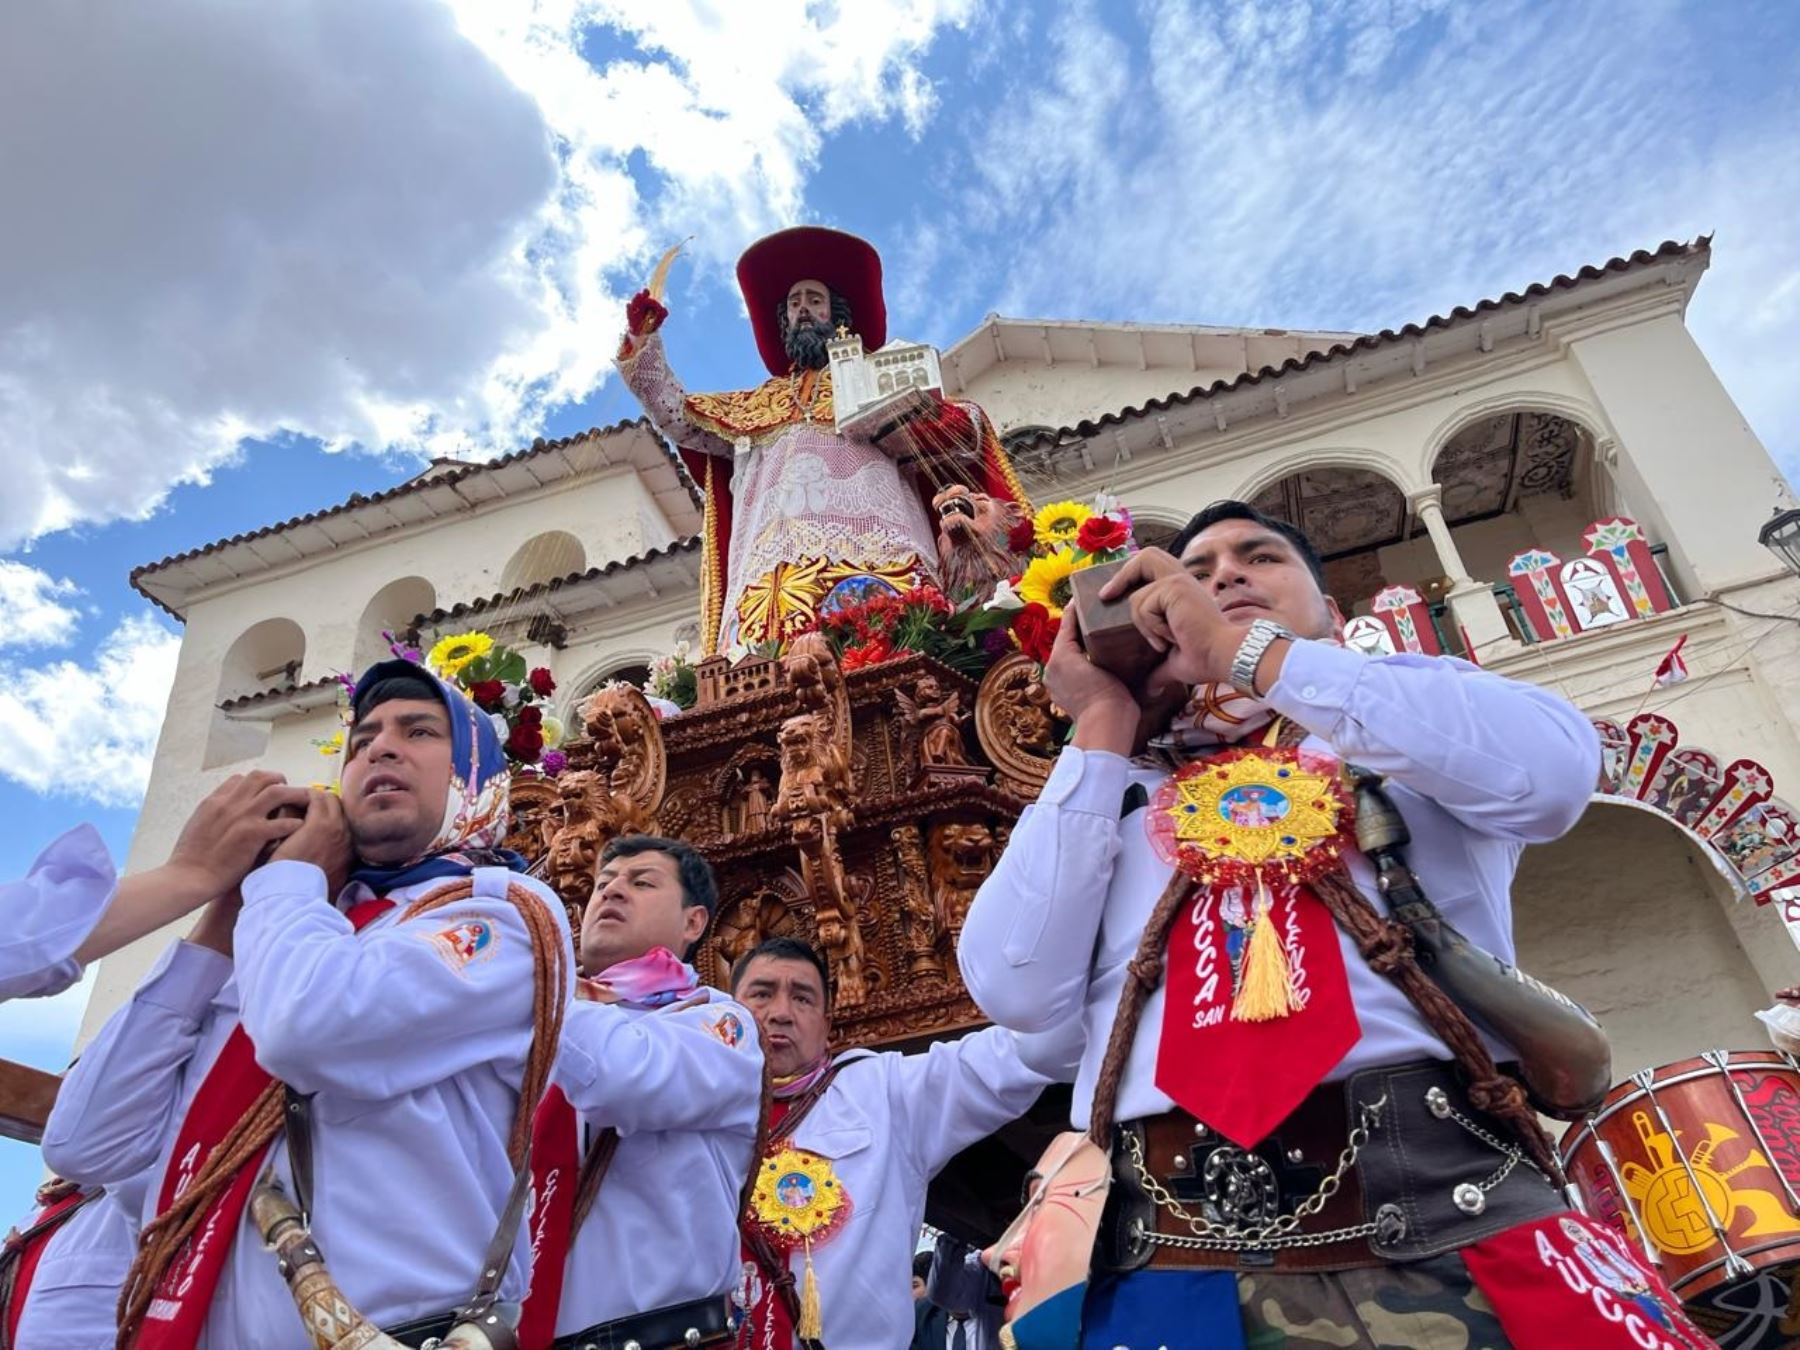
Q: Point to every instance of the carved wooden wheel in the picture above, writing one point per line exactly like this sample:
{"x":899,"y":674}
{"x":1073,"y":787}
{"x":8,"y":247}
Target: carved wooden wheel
{"x":1014,"y":724}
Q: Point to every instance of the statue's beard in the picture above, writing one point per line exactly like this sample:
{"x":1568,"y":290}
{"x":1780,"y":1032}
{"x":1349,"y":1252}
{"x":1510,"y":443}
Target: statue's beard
{"x":806,"y":345}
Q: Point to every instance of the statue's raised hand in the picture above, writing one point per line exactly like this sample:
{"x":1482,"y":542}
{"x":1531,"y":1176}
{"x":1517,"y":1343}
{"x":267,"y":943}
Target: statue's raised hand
{"x":644,"y":314}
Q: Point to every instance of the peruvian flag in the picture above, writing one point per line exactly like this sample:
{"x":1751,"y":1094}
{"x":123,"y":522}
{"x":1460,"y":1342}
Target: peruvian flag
{"x":1672,"y":669}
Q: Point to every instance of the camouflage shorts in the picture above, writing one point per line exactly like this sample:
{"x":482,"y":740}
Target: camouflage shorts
{"x":1423,"y":1305}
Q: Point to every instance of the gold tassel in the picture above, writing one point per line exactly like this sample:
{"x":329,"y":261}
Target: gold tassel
{"x":812,"y":1318}
{"x":1266,"y":988}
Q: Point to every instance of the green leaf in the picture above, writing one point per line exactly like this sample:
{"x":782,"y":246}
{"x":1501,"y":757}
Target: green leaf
{"x":510,"y":666}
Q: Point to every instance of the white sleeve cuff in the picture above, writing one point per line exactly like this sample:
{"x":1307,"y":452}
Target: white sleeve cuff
{"x":1087,"y":780}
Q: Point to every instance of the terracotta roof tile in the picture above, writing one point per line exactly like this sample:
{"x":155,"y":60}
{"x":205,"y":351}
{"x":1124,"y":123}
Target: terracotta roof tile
{"x":1672,"y":248}
{"x":442,"y":473}
{"x":276,"y":691}
{"x":681,"y":546}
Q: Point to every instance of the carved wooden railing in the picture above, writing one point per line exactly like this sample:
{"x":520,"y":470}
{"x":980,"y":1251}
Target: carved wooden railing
{"x":26,"y":1096}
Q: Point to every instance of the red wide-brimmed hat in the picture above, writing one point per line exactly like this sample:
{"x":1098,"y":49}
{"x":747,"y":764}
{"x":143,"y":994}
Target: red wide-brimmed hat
{"x":849,"y":266}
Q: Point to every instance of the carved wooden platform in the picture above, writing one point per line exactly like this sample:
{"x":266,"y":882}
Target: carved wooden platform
{"x":857,"y":811}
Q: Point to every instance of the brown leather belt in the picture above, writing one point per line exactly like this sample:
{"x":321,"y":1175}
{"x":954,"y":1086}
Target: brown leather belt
{"x":1392,"y":1165}
{"x":1206,"y":1174}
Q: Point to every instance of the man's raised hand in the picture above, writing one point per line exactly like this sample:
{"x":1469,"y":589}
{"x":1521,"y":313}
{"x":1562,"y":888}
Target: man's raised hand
{"x":1176,"y":615}
{"x":323,"y":839}
{"x":231,"y":832}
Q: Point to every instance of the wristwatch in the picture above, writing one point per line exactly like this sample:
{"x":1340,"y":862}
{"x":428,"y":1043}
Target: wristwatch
{"x":1250,"y":654}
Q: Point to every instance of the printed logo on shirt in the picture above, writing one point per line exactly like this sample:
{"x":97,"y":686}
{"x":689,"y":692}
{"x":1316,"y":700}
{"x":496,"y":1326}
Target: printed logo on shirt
{"x":465,"y":942}
{"x":728,"y":1029}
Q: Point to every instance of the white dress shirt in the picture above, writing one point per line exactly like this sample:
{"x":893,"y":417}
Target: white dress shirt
{"x":46,"y":915}
{"x":683,"y":1086}
{"x":74,"y":1294}
{"x":415,"y":1056}
{"x":889,"y":1123}
{"x":1478,"y":765}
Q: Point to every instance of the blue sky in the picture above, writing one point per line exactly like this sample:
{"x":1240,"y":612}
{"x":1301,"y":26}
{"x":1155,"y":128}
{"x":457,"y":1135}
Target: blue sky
{"x":294,"y":250}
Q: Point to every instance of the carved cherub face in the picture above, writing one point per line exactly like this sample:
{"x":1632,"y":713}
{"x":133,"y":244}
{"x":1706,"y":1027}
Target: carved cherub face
{"x":928,"y":689}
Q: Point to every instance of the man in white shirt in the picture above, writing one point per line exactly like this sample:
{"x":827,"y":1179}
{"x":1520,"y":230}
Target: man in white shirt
{"x":642,"y":1145}
{"x":60,"y":1270}
{"x":838,"y":1191}
{"x":402,"y":1011}
{"x":1269,"y":1057}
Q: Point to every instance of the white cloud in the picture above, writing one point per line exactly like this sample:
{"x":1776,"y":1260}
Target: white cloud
{"x":405,"y":225}
{"x":32,"y":608}
{"x":88,"y":732}
{"x":1341,"y":165}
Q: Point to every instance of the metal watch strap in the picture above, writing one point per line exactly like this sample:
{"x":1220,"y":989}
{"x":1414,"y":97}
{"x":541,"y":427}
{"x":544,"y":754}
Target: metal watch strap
{"x":1257,"y":640}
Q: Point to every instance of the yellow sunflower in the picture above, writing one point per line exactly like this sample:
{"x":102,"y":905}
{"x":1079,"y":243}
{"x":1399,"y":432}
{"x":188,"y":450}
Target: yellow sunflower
{"x":1059,"y":522}
{"x":453,"y":653}
{"x":1046,"y":579}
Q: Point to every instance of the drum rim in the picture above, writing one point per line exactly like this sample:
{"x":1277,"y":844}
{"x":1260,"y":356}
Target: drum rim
{"x":1678,"y":1284}
{"x":1766,"y":1059}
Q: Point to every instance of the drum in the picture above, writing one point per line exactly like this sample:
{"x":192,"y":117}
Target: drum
{"x":1698,"y":1164}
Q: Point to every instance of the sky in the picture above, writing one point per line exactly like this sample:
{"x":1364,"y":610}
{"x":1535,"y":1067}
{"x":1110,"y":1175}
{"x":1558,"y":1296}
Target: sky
{"x":255,"y":258}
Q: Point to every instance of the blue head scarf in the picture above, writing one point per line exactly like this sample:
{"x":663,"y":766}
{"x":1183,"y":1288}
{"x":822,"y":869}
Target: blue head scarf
{"x":476,"y":808}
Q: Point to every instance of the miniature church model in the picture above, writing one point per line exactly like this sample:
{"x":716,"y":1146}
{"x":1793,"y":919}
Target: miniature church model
{"x":874,"y":391}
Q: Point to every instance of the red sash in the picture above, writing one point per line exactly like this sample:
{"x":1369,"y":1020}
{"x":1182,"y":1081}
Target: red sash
{"x":184,"y":1295}
{"x":28,"y":1249}
{"x":1567,"y":1280}
{"x":555,"y":1173}
{"x":767,"y":1323}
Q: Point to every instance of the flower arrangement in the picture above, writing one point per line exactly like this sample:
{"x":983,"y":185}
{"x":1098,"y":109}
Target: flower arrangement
{"x":672,"y":677}
{"x":1062,"y":539}
{"x":891,"y":623}
{"x":500,"y":682}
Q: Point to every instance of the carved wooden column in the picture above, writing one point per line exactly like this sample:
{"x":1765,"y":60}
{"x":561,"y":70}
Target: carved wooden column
{"x":918,"y":926}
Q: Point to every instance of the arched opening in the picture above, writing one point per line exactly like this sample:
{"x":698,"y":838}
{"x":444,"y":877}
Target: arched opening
{"x":543,"y":557}
{"x":1153,"y":528}
{"x":1627,"y":916}
{"x":1514,"y":481}
{"x":627,"y":671}
{"x":267,"y":655}
{"x":392,"y":609}
{"x":1353,"y":516}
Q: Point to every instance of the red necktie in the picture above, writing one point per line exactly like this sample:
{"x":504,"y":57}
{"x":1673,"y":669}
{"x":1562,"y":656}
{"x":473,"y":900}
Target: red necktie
{"x":1239,"y":1077}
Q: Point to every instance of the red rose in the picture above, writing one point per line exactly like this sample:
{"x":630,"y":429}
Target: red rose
{"x":488,"y":694}
{"x":1020,"y":538}
{"x":541,"y":683}
{"x":1099,"y":533}
{"x":1036,"y":631}
{"x":529,"y":716}
{"x":526,"y":743}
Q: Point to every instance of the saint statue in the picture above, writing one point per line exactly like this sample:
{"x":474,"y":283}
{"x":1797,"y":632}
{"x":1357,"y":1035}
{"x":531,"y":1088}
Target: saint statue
{"x":796,"y":510}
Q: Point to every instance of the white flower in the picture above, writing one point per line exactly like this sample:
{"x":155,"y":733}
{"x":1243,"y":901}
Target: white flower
{"x":554,"y":732}
{"x":1105,"y":504}
{"x":1004,"y":597}
{"x":500,"y":728}
{"x":510,"y":699}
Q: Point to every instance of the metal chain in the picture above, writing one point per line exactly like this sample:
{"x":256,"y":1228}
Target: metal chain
{"x":1279,"y":1233}
{"x":1512,"y":1153}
